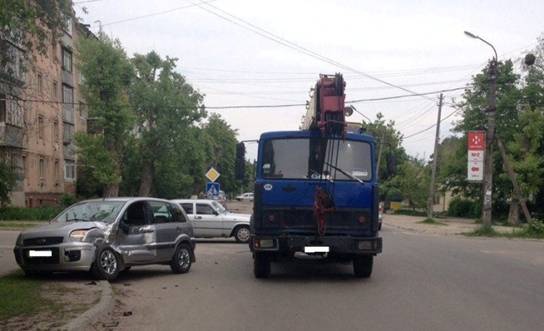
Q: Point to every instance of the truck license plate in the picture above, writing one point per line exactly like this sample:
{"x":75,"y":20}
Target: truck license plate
{"x":316,"y":249}
{"x":43,"y":253}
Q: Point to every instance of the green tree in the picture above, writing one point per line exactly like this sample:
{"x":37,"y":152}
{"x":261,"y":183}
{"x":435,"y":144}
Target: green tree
{"x":413,"y":182}
{"x":32,"y":24}
{"x":222,"y":150}
{"x":7,"y":181}
{"x":108,"y":74}
{"x":165,"y":106}
{"x":473,"y":108}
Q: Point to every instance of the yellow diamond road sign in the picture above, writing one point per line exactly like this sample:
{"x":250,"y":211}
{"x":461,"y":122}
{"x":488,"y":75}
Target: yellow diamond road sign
{"x":212,"y":174}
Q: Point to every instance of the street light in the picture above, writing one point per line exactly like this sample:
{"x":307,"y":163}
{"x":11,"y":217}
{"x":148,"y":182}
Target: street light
{"x":491,"y":112}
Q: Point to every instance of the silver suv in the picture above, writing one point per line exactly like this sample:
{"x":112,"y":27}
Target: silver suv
{"x":108,"y":236}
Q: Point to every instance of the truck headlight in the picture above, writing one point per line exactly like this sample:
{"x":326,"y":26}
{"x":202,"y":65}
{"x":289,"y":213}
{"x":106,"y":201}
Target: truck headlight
{"x":79,"y":235}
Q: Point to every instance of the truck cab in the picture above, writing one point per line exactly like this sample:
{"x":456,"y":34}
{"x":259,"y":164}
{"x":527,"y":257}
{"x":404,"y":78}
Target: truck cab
{"x":296,"y":168}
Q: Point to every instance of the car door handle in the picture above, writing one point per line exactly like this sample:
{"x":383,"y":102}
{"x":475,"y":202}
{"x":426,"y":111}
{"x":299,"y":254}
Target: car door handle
{"x":198,"y":217}
{"x":145,"y":230}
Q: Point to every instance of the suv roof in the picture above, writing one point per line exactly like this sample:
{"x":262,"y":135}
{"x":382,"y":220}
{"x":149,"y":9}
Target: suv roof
{"x":192,"y":200}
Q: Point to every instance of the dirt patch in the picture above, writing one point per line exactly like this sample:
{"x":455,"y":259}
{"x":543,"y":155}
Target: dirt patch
{"x":449,"y":226}
{"x":64,"y":300}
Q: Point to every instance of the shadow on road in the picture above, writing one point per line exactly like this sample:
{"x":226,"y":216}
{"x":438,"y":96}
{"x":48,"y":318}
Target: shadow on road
{"x":218,"y":241}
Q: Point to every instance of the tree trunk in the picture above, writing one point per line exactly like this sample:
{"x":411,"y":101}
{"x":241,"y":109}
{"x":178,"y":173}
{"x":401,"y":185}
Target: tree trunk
{"x":513,"y":213}
{"x":111,"y":190}
{"x":146,"y":179}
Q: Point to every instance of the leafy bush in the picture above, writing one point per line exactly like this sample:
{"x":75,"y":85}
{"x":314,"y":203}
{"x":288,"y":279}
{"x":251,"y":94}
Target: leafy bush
{"x":29,"y":214}
{"x":67,"y":200}
{"x":464,"y":208}
{"x":535,"y":229}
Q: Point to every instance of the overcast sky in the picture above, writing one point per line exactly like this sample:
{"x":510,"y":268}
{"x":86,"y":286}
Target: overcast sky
{"x":418,"y":45}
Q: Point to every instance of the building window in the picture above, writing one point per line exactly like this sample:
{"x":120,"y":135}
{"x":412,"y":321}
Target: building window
{"x":68,"y":27}
{"x":67,"y":94}
{"x":40,"y":84}
{"x":68,"y":133}
{"x":69,"y":170}
{"x":66,"y":60}
{"x":54,"y":91}
{"x":42,"y":168}
{"x":41,"y":127}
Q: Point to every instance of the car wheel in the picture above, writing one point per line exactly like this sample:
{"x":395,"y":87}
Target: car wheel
{"x":261,"y":265}
{"x":362,"y":266}
{"x":181,"y":261}
{"x":242,"y":234}
{"x":107,"y":264}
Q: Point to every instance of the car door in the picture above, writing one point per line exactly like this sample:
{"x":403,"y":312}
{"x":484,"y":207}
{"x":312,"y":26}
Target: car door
{"x":166,"y":228}
{"x":136,"y":235}
{"x":189,"y":208}
{"x":208,"y":220}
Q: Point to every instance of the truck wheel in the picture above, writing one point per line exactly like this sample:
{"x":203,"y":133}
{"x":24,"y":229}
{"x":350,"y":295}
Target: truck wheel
{"x":181,"y":261}
{"x":362,"y":266}
{"x":242,"y":234}
{"x":261,"y":265}
{"x":107,"y":264}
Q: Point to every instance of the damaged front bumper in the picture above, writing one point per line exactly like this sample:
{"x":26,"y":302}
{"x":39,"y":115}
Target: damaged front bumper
{"x":69,"y":256}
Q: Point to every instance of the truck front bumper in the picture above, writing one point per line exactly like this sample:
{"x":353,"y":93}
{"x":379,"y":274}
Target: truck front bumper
{"x":337,"y":245}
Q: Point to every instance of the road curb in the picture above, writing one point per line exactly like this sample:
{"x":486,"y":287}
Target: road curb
{"x":104,"y":305}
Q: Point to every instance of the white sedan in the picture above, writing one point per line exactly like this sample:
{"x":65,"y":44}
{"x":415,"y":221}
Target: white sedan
{"x":245,"y":196}
{"x":211,"y":220}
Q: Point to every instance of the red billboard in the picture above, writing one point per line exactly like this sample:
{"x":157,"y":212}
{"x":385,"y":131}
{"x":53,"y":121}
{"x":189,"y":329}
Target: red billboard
{"x":476,"y":140}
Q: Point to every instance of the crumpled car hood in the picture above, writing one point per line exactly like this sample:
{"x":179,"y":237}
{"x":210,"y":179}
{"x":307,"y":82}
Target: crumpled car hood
{"x":60,"y":229}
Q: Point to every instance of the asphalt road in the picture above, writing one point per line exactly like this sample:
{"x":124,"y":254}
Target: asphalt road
{"x":420,"y":282}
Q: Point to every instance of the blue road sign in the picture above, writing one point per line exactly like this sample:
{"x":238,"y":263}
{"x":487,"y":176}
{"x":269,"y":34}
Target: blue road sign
{"x":212,"y":190}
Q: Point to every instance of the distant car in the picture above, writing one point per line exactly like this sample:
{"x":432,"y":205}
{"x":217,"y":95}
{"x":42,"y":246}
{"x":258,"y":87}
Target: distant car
{"x":210,"y":220}
{"x":245,"y":196}
{"x":108,"y":236}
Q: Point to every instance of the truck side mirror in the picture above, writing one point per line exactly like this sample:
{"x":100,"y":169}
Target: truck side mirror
{"x":240,"y":162}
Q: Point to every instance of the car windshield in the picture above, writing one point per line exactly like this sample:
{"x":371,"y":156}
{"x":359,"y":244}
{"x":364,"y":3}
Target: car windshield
{"x":93,"y":211}
{"x":219,"y":207}
{"x":345,"y":159}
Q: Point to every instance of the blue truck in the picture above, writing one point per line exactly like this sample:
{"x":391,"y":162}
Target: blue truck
{"x":316,"y":192}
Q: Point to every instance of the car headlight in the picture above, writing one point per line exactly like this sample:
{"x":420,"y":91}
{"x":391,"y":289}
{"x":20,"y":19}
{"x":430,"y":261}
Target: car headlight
{"x":79,"y":235}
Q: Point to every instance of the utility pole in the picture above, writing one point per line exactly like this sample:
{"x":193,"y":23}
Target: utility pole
{"x":487,"y":185}
{"x":430,"y":199}
{"x":487,"y":205}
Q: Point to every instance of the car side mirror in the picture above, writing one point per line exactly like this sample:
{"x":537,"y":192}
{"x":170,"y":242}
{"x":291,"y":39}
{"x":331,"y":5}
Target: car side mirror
{"x":215,"y":212}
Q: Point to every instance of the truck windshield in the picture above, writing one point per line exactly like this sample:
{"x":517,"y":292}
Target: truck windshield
{"x":308,"y":158}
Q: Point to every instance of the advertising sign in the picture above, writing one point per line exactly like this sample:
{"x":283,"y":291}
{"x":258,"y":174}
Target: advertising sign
{"x":476,"y":155}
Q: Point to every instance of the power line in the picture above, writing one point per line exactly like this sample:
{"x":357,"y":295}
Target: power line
{"x":432,"y":126}
{"x":282,"y":41}
{"x":259,"y":106}
{"x":158,"y":13}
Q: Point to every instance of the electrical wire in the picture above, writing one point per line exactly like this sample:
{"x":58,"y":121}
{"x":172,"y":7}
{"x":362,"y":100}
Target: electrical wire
{"x":157,"y":13}
{"x":432,"y":126}
{"x":282,"y":41}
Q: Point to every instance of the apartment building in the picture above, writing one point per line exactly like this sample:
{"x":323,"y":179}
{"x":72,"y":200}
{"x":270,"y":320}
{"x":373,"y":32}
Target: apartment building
{"x":44,"y":116}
